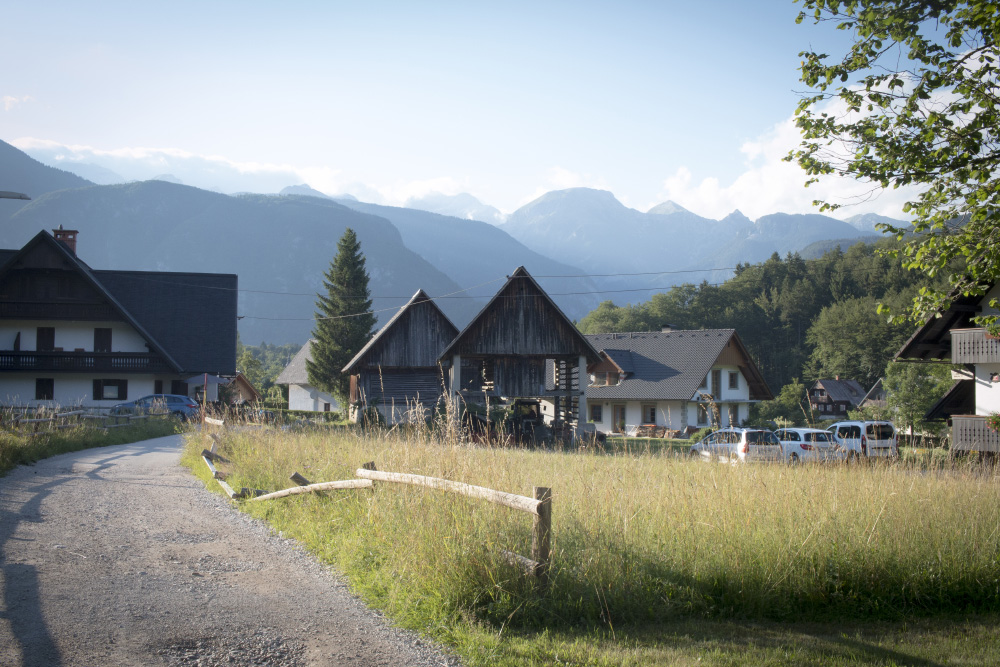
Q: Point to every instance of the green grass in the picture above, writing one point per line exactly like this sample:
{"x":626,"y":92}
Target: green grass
{"x":655,"y":559}
{"x":17,"y":449}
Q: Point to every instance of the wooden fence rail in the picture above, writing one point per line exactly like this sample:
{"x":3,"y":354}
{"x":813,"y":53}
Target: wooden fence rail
{"x":540,"y":507}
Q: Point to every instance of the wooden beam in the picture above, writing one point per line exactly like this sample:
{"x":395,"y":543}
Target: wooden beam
{"x":541,"y":534}
{"x":511,"y":500}
{"x":321,"y":486}
{"x":299,"y":479}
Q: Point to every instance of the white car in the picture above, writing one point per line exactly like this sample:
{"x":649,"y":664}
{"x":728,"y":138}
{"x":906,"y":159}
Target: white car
{"x":874,"y":439}
{"x":739,"y":445}
{"x":809,"y":444}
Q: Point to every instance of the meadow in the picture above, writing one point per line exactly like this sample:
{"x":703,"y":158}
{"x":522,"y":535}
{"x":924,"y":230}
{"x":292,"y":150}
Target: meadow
{"x":654,"y":557}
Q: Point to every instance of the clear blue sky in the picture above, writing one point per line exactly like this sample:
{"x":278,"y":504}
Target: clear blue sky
{"x":687,"y":101}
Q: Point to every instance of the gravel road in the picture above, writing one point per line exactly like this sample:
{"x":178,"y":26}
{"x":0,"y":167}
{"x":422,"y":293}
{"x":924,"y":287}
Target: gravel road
{"x":118,"y":556}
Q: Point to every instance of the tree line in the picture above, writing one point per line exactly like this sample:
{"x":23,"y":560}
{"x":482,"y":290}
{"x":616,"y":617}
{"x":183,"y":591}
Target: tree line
{"x":798,"y":318}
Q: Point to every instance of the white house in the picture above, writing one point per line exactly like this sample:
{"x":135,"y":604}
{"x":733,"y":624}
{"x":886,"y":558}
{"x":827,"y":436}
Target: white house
{"x":301,"y":394}
{"x":951,"y":336}
{"x":675,"y":380}
{"x":74,"y":336}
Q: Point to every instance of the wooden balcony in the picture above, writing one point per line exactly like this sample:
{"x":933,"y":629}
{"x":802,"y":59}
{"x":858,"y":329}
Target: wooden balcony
{"x":974,"y":346}
{"x":83,"y":362}
{"x":969,"y":433}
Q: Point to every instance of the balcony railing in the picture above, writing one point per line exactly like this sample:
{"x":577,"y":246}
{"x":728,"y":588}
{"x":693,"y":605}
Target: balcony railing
{"x":83,"y":362}
{"x":974,"y":346}
{"x":969,"y":433}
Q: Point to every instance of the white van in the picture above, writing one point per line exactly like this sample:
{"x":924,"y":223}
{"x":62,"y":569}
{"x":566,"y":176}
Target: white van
{"x":739,"y":445}
{"x":876,"y":439}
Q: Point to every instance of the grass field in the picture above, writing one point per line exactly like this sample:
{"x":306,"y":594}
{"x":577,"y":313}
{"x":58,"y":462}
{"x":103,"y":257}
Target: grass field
{"x":655,"y":559}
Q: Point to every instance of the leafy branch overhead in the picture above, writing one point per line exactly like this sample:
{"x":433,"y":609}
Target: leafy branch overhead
{"x":914,"y":103}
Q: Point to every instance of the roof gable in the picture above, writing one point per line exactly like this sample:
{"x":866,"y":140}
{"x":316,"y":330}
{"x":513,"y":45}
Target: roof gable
{"x":295,"y":372}
{"x":414,"y":338}
{"x":521,"y":320}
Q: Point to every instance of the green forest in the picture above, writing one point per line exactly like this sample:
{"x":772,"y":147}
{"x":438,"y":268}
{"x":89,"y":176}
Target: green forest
{"x":804,"y":319}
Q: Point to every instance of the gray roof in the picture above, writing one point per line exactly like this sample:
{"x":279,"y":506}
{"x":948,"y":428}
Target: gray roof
{"x":843,"y":390}
{"x":295,"y":372}
{"x":664,"y":365}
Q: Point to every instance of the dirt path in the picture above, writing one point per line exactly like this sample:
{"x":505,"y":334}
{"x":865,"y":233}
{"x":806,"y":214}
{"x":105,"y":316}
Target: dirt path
{"x":118,"y":556}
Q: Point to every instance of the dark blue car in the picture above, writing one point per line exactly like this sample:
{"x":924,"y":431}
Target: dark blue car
{"x":180,"y":406}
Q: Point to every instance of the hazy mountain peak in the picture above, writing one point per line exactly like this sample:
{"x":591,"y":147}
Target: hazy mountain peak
{"x":867,"y":222}
{"x":737,"y":216}
{"x":303,"y":189}
{"x":666,"y":208}
{"x":169,"y":178}
{"x":462,"y":205}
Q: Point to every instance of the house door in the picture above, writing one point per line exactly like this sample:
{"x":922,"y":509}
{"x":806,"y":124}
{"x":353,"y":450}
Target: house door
{"x":618,"y":417}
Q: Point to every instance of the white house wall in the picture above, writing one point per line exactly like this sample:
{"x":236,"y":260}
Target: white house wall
{"x":311,"y":399}
{"x":987,"y":391}
{"x":72,"y":389}
{"x":71,"y":336}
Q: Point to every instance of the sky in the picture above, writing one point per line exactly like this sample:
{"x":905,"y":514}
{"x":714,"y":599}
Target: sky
{"x":659,"y":100}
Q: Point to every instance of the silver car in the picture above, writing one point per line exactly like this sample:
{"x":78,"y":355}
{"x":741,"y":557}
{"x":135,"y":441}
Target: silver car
{"x":809,"y":444}
{"x":739,"y":445}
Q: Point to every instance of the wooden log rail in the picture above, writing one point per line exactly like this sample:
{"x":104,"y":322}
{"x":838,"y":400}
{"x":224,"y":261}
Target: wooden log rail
{"x":540,"y":506}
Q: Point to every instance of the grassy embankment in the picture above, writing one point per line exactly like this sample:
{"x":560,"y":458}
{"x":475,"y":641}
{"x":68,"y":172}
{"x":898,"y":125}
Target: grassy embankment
{"x":17,"y":447}
{"x":655,"y":559}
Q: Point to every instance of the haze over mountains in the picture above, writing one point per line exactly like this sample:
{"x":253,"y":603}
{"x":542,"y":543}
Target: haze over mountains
{"x":280,"y":245}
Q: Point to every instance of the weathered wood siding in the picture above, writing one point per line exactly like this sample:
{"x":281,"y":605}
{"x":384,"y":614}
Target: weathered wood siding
{"x":401,"y":388}
{"x":521,"y":321}
{"x":415,"y":340}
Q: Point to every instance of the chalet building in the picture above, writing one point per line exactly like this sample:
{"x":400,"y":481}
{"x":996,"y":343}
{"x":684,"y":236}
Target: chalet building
{"x":666,"y":382}
{"x":397,"y":371}
{"x":833,"y":398}
{"x":301,"y":394}
{"x":517,"y":341}
{"x":950,"y":336}
{"x":71,"y":335}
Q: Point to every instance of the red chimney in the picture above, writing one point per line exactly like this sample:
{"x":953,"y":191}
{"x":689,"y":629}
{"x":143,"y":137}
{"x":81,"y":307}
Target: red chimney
{"x":67,"y":237}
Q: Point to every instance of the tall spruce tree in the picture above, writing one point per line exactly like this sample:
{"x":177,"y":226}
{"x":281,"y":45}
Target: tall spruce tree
{"x":344,"y":320}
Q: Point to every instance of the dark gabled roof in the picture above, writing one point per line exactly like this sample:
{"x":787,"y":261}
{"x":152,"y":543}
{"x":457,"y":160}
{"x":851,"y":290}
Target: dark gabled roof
{"x":295,"y":372}
{"x":931,"y":341}
{"x":959,"y":400}
{"x":850,"y":391}
{"x":187,"y":318}
{"x":6,"y":255}
{"x":500,"y":327}
{"x":672,"y":365}
{"x":436,"y":339}
{"x":191,"y":315}
{"x":875,"y":395}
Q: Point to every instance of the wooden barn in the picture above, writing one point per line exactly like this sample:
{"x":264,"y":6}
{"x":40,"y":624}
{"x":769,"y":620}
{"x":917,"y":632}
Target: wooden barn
{"x":521,"y":346}
{"x":397,"y":371}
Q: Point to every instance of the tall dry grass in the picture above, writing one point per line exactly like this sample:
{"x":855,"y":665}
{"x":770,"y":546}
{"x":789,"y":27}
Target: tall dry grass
{"x":636,"y":538}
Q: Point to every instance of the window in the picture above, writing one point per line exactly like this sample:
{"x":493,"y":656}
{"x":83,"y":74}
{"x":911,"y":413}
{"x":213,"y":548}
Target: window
{"x":110,"y":390}
{"x":179,"y":387}
{"x":702,"y":414}
{"x":704,"y":383}
{"x":44,"y":389}
{"x":649,"y":414}
{"x":326,"y":407}
{"x":157,"y":386}
{"x":734,"y":415}
{"x":102,"y":340}
{"x":45,"y":339}
{"x":596,"y":412}
{"x":734,"y":380}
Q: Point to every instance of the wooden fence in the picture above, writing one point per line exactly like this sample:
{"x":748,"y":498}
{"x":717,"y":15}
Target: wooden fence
{"x":540,"y":507}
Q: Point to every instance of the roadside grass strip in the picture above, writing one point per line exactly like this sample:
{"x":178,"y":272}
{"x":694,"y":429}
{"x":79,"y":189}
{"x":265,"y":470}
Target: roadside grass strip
{"x":654,"y":559}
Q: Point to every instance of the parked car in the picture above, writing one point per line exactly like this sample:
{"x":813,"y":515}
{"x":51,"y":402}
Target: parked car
{"x":184,"y":407}
{"x":809,"y":444}
{"x":739,"y":445}
{"x":877,"y":439}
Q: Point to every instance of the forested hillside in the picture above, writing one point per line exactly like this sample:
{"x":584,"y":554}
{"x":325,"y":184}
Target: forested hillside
{"x":799,"y":318}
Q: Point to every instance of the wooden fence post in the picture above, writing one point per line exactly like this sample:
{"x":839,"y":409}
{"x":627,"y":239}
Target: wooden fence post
{"x":541,"y":535}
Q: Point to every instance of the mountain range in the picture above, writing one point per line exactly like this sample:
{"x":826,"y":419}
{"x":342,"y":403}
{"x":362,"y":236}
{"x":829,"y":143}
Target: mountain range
{"x":583,"y":245}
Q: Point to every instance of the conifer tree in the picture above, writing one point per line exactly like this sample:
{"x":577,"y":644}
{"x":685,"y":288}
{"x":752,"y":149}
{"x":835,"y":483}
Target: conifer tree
{"x":344,"y":320}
